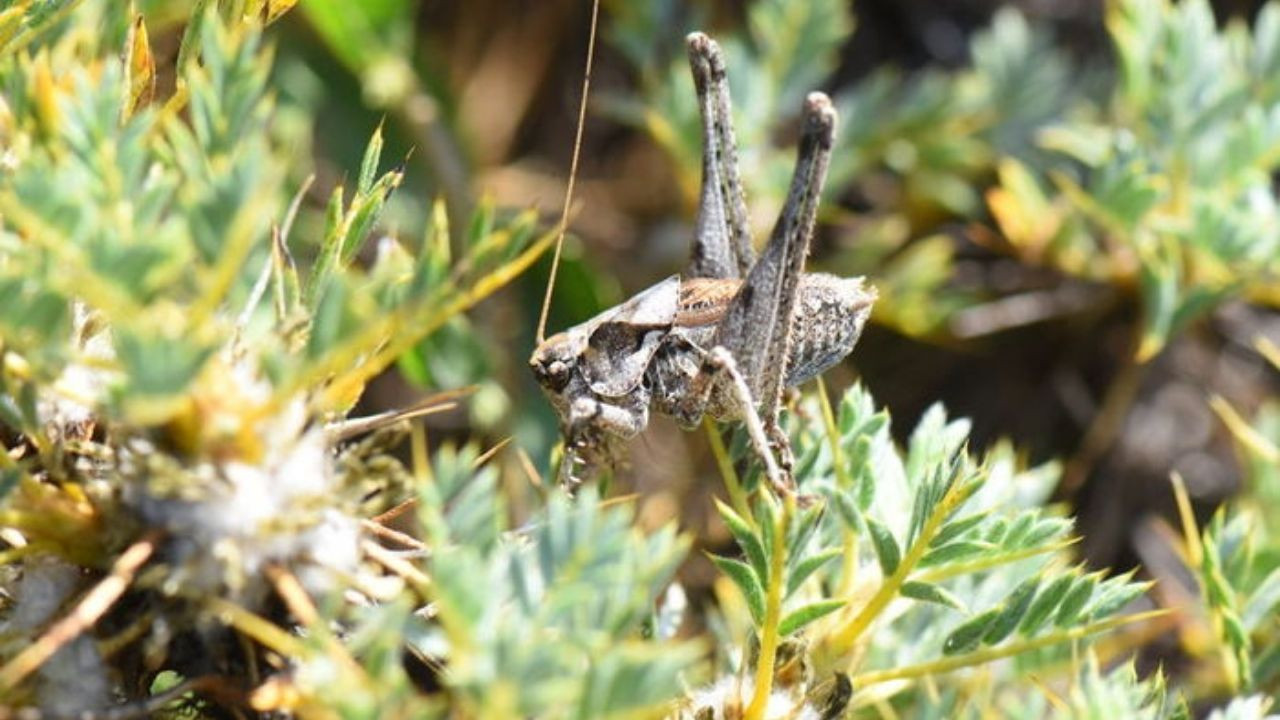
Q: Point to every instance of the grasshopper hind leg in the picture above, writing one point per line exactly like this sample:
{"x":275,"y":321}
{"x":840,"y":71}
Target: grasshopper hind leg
{"x":751,"y":346}
{"x":722,"y":237}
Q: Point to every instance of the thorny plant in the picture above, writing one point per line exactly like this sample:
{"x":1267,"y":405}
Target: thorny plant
{"x":193,"y":527}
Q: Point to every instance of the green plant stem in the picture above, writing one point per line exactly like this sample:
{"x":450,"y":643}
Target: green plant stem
{"x":772,"y":610}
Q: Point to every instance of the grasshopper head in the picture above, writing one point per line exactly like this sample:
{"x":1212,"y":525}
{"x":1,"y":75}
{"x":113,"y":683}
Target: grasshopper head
{"x":555,"y":360}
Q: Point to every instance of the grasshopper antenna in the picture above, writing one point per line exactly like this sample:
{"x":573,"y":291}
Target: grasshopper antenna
{"x":573,"y":175}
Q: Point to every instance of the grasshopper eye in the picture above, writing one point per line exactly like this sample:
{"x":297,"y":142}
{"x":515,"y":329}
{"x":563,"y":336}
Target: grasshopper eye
{"x":554,"y":375}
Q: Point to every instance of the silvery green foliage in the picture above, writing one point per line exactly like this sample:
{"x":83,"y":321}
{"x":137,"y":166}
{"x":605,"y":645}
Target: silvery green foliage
{"x":1253,"y":707}
{"x":959,"y":564}
{"x":548,"y":619}
{"x":173,"y":382}
{"x":1095,"y":692}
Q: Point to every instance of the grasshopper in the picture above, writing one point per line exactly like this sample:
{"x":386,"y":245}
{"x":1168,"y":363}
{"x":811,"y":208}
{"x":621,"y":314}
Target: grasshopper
{"x":729,"y":335}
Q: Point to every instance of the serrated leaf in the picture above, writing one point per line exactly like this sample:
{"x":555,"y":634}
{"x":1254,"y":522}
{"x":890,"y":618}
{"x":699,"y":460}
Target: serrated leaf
{"x":747,"y":539}
{"x":931,"y":593}
{"x":805,"y":614}
{"x":1047,"y":529}
{"x":887,"y":551}
{"x":745,"y":578}
{"x":1018,"y":530}
{"x":968,"y":634}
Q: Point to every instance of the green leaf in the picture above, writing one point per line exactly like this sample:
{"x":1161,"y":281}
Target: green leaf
{"x":803,"y":528}
{"x":748,"y":583}
{"x":369,"y":164}
{"x":9,"y":478}
{"x":1044,"y":603}
{"x":887,"y":551}
{"x":189,"y":47}
{"x":330,"y":247}
{"x":1264,"y":598}
{"x":929,"y":592}
{"x":1114,"y":594}
{"x":951,"y":552}
{"x":332,"y":320}
{"x":806,"y":567}
{"x":967,"y":636}
{"x":364,"y":212}
{"x":157,"y":365}
{"x":1014,"y":610}
{"x":956,"y":528}
{"x":1075,"y":600}
{"x":747,"y":539}
{"x":805,"y":614}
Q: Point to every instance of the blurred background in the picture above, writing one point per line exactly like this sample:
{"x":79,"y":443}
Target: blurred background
{"x":1068,"y":208}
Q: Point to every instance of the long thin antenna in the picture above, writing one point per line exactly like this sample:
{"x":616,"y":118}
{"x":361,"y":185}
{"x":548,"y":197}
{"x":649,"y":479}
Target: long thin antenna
{"x":573,"y":175}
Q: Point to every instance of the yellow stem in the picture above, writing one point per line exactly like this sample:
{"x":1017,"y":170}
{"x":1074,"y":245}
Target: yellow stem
{"x":947,"y":572}
{"x":833,"y":437}
{"x":772,"y":610}
{"x":255,"y":626}
{"x":845,"y":637}
{"x":732,"y":483}
{"x":986,"y":655}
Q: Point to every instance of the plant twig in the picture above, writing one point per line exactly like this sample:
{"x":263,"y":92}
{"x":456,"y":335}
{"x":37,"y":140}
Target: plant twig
{"x":88,"y":611}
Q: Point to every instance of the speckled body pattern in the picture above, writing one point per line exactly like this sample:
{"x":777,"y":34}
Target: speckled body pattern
{"x":726,"y":338}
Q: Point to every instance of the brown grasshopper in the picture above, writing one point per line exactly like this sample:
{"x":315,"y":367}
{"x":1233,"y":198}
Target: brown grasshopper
{"x":729,"y":335}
